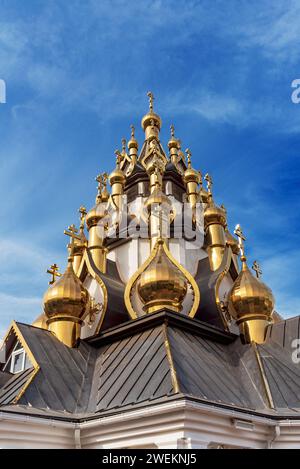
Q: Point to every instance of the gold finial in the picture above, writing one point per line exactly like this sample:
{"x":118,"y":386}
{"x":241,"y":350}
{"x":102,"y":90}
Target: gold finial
{"x":188,"y":157}
{"x":123,"y":146}
{"x":99,"y":179}
{"x":238,"y":232}
{"x":257,"y":269}
{"x":172,"y":128}
{"x":71,"y":231}
{"x":118,"y":158}
{"x":132,"y":131}
{"x":151,"y":99}
{"x":209,"y":181}
{"x":54,"y":272}
{"x":83,"y":212}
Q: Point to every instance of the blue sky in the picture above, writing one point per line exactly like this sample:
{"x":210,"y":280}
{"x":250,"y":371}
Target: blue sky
{"x":77,"y":74}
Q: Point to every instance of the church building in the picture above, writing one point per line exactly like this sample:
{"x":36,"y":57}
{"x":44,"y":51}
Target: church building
{"x":160,"y":333}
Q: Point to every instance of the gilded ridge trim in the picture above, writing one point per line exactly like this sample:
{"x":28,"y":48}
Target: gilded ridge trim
{"x":170,"y":359}
{"x":263,"y":376}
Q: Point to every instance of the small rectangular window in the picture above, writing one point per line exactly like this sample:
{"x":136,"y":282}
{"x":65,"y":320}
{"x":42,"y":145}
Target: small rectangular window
{"x":17,"y":363}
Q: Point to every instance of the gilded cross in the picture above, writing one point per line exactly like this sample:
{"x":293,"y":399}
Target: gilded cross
{"x":119,"y":158}
{"x":83,"y":212}
{"x":238,"y":232}
{"x":72,"y":232}
{"x":54,"y":272}
{"x":188,"y":157}
{"x":257,"y":269}
{"x":172,"y":131}
{"x":99,"y":179}
{"x":132,"y":131}
{"x":123,"y":146}
{"x":151,"y":99}
{"x":209,"y":181}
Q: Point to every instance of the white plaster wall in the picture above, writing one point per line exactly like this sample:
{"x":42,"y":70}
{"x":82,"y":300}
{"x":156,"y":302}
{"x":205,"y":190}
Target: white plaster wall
{"x":171,"y":425}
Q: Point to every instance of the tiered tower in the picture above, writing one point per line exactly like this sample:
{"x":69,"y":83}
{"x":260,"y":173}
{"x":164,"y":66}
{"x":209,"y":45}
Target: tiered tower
{"x":156,"y":241}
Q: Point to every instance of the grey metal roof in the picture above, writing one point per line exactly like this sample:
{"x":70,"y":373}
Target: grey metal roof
{"x":160,"y":356}
{"x":132,"y":370}
{"x":61,"y":382}
{"x":283,"y":375}
{"x":12,"y":388}
{"x":210,"y":371}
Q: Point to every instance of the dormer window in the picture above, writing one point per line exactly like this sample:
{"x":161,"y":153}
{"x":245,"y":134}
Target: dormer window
{"x":18,"y":360}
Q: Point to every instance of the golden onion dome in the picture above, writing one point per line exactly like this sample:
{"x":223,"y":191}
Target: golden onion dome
{"x":41,"y":321}
{"x":249,"y":298}
{"x":162,"y":284}
{"x":151,"y":119}
{"x":151,"y":122}
{"x":191,"y":175}
{"x":232,"y":242}
{"x":214,"y":214}
{"x":97,"y":213}
{"x":132,"y":143}
{"x":173,"y":142}
{"x":67,"y":297}
{"x":157,"y":197}
{"x":117,"y":177}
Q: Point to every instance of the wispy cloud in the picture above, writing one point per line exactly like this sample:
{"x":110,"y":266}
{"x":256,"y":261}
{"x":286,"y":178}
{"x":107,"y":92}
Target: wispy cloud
{"x":16,"y":307}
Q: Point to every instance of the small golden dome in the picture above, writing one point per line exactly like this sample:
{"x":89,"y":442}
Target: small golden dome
{"x":151,"y":122}
{"x":191,"y":174}
{"x":132,"y":143}
{"x":96,"y":214}
{"x":249,"y":298}
{"x":232,"y":242}
{"x":117,"y":177}
{"x":173,"y":142}
{"x":67,"y":297}
{"x":214,"y":214}
{"x":162,"y":284}
{"x":151,"y":119}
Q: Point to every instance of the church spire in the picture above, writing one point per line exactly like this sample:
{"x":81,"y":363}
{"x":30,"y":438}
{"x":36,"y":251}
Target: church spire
{"x":151,"y":122}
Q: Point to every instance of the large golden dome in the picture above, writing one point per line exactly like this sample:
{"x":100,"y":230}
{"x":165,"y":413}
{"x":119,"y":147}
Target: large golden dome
{"x":249,"y":298}
{"x":162,"y":284}
{"x":67,"y":297}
